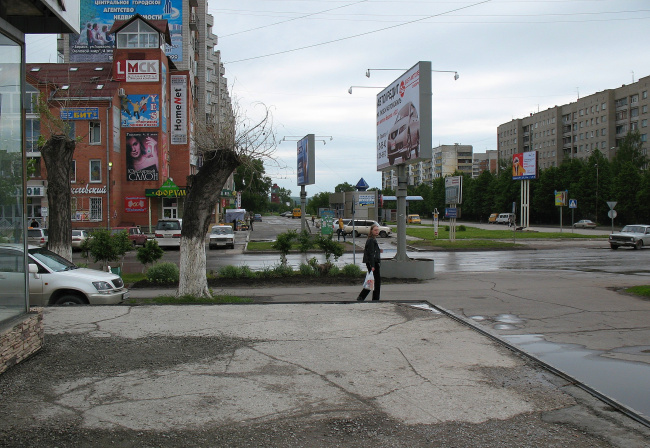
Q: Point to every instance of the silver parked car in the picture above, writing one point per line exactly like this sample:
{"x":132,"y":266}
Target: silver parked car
{"x":168,"y":232}
{"x":637,"y":236}
{"x":37,"y":236}
{"x":53,"y":280}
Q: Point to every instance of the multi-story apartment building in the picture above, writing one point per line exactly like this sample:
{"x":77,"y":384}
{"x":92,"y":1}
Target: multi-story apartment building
{"x":447,"y":159}
{"x":487,"y":161}
{"x":598,"y":121}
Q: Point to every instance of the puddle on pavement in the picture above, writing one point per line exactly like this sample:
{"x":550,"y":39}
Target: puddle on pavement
{"x":502,"y":321}
{"x":624,"y":381}
{"x":427,"y":307}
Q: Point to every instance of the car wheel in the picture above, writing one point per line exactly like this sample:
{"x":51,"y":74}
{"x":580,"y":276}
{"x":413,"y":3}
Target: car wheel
{"x":232,"y":246}
{"x":613,"y":246}
{"x":211,"y":246}
{"x":70,"y":300}
{"x":356,"y":234}
{"x":383,"y":234}
{"x":638,"y":245}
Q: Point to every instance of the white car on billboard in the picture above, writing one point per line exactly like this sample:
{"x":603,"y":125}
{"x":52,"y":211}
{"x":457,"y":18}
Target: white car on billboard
{"x":404,"y":136}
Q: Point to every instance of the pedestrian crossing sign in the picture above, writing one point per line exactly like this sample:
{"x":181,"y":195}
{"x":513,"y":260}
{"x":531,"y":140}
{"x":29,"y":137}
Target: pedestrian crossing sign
{"x":573,"y":203}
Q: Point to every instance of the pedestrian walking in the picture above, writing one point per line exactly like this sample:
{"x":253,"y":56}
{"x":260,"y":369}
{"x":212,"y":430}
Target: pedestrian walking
{"x":340,"y":230}
{"x":372,"y":259}
{"x":250,"y":221}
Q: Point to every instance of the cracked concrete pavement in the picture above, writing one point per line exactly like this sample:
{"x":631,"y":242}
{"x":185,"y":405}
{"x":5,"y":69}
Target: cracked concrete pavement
{"x":300,"y":374}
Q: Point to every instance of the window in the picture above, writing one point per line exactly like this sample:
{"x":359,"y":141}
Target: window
{"x":644,"y":137}
{"x":73,"y":208}
{"x":138,"y":34}
{"x":95,"y":135}
{"x":634,"y":99}
{"x":73,"y":172}
{"x":644,"y":109}
{"x":582,"y":112}
{"x":621,"y":102}
{"x":95,"y":209}
{"x":634,"y":126}
{"x":72,"y":131}
{"x":95,"y":170}
{"x":32,"y":131}
{"x":644,"y":123}
{"x":644,"y":94}
{"x":604,"y":119}
{"x":603,"y":106}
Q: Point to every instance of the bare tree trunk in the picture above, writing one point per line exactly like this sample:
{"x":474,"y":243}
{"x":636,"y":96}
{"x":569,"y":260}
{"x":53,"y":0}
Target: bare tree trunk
{"x":203,"y":191}
{"x":57,"y":154}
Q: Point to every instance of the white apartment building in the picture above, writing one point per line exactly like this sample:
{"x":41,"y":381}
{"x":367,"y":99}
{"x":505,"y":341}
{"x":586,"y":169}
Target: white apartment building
{"x":598,"y":121}
{"x":447,"y":159}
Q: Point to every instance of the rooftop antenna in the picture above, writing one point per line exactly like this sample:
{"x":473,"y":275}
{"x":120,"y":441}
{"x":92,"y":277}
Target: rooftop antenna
{"x":632,"y":76}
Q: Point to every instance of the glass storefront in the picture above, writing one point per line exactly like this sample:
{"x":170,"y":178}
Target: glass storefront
{"x":13,"y":290}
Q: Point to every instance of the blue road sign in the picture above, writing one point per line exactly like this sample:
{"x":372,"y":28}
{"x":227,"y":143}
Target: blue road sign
{"x":573,"y":203}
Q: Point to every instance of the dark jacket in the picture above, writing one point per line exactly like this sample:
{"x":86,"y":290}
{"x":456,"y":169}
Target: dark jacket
{"x":371,"y":253}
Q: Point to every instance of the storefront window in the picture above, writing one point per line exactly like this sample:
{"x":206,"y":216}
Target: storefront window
{"x":13,"y":294}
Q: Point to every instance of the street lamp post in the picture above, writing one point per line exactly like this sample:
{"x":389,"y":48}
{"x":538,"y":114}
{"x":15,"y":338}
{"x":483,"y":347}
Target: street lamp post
{"x":596,"y":192}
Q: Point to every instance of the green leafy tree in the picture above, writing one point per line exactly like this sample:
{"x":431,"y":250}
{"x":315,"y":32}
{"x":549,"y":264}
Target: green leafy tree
{"x":318,"y":201}
{"x":254,"y":186}
{"x":340,"y":188}
{"x":107,"y":247}
{"x":283,"y":243}
{"x":149,"y":253}
{"x":329,"y":247}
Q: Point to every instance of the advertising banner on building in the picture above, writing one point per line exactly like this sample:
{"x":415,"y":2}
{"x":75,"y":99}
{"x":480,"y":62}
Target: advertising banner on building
{"x":140,"y":111}
{"x":306,"y":156}
{"x":95,"y":44}
{"x":80,"y":113}
{"x":404,"y":118}
{"x":142,"y":162}
{"x":179,"y":109}
{"x":135,"y":204}
{"x":127,"y":70}
{"x":524,"y":165}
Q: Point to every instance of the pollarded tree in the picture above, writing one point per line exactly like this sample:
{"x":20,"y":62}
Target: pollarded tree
{"x":222,"y":147}
{"x":57,"y":150}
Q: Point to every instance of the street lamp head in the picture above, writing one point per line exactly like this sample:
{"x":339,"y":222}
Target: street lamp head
{"x":350,"y":90}
{"x":456,"y":76}
{"x":368,"y":73}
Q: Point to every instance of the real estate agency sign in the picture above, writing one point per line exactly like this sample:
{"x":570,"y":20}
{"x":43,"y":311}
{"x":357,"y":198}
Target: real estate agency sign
{"x":126,"y":70}
{"x":404,"y":118}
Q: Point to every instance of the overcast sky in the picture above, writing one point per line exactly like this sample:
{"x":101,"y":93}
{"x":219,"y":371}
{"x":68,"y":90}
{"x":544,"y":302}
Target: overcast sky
{"x":514,"y":57}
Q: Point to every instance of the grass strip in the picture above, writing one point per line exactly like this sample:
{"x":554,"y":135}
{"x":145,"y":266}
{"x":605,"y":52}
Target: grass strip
{"x":642,"y":290}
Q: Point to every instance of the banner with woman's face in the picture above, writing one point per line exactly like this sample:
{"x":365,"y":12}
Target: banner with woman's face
{"x":142,"y":162}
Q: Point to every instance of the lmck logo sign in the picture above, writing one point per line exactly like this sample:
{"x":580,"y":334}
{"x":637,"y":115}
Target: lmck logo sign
{"x":137,"y":71}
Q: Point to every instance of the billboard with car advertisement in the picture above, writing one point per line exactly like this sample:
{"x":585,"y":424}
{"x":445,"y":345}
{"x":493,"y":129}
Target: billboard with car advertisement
{"x":95,"y":44}
{"x":306,"y":155}
{"x":524,"y":165}
{"x":404,"y":118}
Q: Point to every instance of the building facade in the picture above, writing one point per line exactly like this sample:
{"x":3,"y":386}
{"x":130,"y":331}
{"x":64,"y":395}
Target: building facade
{"x":598,"y":121}
{"x":131,"y":118}
{"x":447,"y":159}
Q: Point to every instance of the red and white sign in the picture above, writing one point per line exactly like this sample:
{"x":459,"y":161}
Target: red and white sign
{"x":136,"y":71}
{"x":135,"y":204}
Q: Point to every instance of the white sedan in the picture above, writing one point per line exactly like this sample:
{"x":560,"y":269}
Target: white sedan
{"x":584,"y":224}
{"x":222,"y":236}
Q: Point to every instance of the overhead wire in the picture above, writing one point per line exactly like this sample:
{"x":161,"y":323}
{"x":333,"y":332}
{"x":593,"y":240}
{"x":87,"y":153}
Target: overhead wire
{"x":361,"y":34}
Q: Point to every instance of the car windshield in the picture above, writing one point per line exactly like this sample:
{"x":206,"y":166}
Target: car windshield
{"x":225,"y":230}
{"x":633,"y":229}
{"x":52,"y":260}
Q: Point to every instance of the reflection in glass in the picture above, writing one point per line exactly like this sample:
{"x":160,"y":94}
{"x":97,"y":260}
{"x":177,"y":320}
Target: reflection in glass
{"x":13,"y":294}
